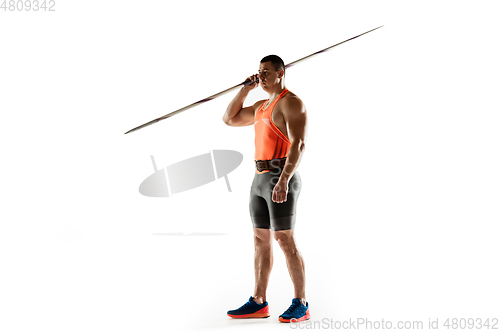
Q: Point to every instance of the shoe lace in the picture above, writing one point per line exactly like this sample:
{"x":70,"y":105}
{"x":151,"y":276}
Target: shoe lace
{"x":247,"y":304}
{"x":291,"y":309}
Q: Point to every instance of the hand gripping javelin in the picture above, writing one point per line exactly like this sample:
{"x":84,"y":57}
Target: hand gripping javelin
{"x":245,"y":83}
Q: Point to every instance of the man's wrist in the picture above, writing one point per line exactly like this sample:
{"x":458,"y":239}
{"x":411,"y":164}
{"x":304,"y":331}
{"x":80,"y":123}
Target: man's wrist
{"x":284,"y":178}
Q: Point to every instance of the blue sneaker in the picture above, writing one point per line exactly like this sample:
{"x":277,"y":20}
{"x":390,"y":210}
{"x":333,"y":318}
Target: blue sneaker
{"x":250,"y":309}
{"x":296,"y":312}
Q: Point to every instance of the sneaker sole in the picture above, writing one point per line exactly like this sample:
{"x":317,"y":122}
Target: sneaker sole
{"x":262,"y":313}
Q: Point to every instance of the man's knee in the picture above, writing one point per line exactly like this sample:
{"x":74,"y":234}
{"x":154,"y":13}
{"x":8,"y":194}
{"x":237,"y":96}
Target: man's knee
{"x":262,"y":237}
{"x":285,"y":240}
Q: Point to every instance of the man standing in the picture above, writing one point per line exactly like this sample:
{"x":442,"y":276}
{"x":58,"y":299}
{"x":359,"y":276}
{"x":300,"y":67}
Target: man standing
{"x":280,"y":134}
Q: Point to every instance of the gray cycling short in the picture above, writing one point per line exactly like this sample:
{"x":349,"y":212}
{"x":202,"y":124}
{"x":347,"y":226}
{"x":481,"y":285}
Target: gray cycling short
{"x":268,"y":214}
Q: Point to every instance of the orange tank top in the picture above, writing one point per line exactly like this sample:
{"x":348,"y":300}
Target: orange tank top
{"x":270,"y":142}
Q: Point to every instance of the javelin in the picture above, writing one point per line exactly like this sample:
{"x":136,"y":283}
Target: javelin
{"x":245,"y":83}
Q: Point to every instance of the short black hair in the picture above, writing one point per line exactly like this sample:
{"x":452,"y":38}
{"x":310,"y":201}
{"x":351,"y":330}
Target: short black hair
{"x":276,"y":61}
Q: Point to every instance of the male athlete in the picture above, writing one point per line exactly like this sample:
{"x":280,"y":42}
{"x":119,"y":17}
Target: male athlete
{"x":280,"y":134}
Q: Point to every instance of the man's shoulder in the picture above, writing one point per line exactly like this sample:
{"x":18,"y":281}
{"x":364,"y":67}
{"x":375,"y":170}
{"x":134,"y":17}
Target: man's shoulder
{"x":290,"y":95}
{"x":292,"y":103}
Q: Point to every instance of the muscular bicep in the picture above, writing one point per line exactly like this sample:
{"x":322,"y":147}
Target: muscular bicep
{"x":246,"y":116}
{"x":295,"y":116}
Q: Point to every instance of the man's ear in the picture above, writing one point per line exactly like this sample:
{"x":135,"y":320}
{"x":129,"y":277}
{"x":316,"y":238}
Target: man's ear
{"x":281,"y":73}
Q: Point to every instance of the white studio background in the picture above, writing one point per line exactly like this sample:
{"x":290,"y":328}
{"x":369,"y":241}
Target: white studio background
{"x":398,"y":216}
